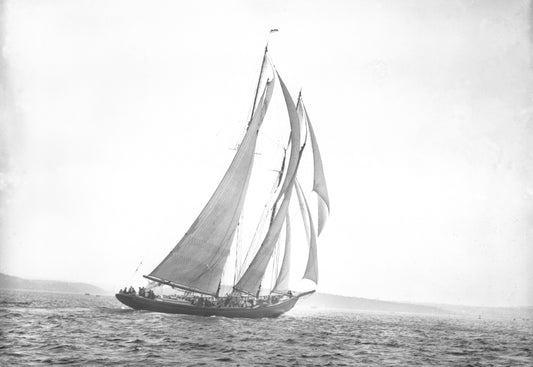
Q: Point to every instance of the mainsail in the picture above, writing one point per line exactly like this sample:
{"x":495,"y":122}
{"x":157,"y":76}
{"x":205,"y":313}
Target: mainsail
{"x":197,"y":261}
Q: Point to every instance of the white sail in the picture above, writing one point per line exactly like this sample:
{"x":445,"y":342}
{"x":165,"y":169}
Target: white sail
{"x":311,"y":270}
{"x":197,"y":261}
{"x":319,"y":181}
{"x":294,"y":140}
{"x":282,"y":282}
{"x":252,"y":277}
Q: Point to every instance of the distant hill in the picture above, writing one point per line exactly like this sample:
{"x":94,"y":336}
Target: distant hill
{"x":11,"y":282}
{"x":330,"y":301}
{"x":491,"y":312}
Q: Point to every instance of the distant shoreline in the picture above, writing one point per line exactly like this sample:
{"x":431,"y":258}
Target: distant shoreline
{"x":12,"y":282}
{"x":106,"y":294}
{"x":316,"y":302}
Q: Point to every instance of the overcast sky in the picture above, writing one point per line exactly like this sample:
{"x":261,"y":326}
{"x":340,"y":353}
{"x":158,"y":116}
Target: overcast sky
{"x":118,"y":118}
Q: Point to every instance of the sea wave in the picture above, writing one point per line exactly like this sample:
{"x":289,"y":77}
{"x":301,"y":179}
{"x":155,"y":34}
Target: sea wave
{"x":44,"y":328}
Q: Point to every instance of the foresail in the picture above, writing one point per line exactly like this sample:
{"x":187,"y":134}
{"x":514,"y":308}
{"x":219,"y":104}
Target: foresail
{"x":197,"y":261}
{"x":282,"y":283}
{"x":311,"y":270}
{"x":295,"y":140}
{"x":319,"y":181}
{"x":251,"y":279}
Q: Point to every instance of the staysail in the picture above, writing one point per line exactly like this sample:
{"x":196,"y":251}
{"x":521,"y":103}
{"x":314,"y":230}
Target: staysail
{"x":282,"y":283}
{"x":252,"y":277}
{"x":319,"y":181}
{"x":196,"y":263}
{"x":295,"y":139}
{"x":311,"y":270}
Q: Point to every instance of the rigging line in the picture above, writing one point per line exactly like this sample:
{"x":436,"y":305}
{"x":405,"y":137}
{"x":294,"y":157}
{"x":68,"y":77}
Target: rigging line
{"x":135,"y":272}
{"x":271,"y":63}
{"x":140,"y":263}
{"x":138,"y":266}
{"x":266,"y":58}
{"x":233,"y":128}
{"x":241,"y":199}
{"x":300,"y":104}
{"x":258,"y":84}
{"x":260,"y":226}
{"x":308,"y":199}
{"x":274,"y":260}
{"x":255,"y":242}
{"x":275,"y":141}
{"x":237,"y":243}
{"x":263,"y":65}
{"x":275,"y":264}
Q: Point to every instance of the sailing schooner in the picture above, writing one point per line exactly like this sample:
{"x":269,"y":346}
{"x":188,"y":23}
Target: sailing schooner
{"x":197,"y":263}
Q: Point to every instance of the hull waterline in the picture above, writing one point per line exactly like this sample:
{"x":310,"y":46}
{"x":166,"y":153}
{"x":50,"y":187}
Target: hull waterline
{"x":168,"y":306}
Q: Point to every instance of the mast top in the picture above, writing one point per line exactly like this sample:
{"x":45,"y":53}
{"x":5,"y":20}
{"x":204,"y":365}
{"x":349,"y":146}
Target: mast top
{"x":273,"y":30}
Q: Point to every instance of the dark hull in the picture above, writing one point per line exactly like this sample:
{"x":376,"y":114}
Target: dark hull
{"x":158,"y":305}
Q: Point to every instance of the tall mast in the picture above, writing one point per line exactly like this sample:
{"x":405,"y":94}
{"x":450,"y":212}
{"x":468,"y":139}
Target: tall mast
{"x":251,"y":279}
{"x":273,"y":213}
{"x":261,"y":74}
{"x":258,"y":84}
{"x":280,"y":175}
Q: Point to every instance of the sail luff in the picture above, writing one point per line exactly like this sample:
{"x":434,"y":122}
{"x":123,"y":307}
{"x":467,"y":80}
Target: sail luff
{"x":282,"y":282}
{"x":319,"y":180}
{"x":198,"y":260}
{"x":311,"y":270}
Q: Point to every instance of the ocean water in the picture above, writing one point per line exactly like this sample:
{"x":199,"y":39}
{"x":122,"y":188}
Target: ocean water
{"x":49,"y":329}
